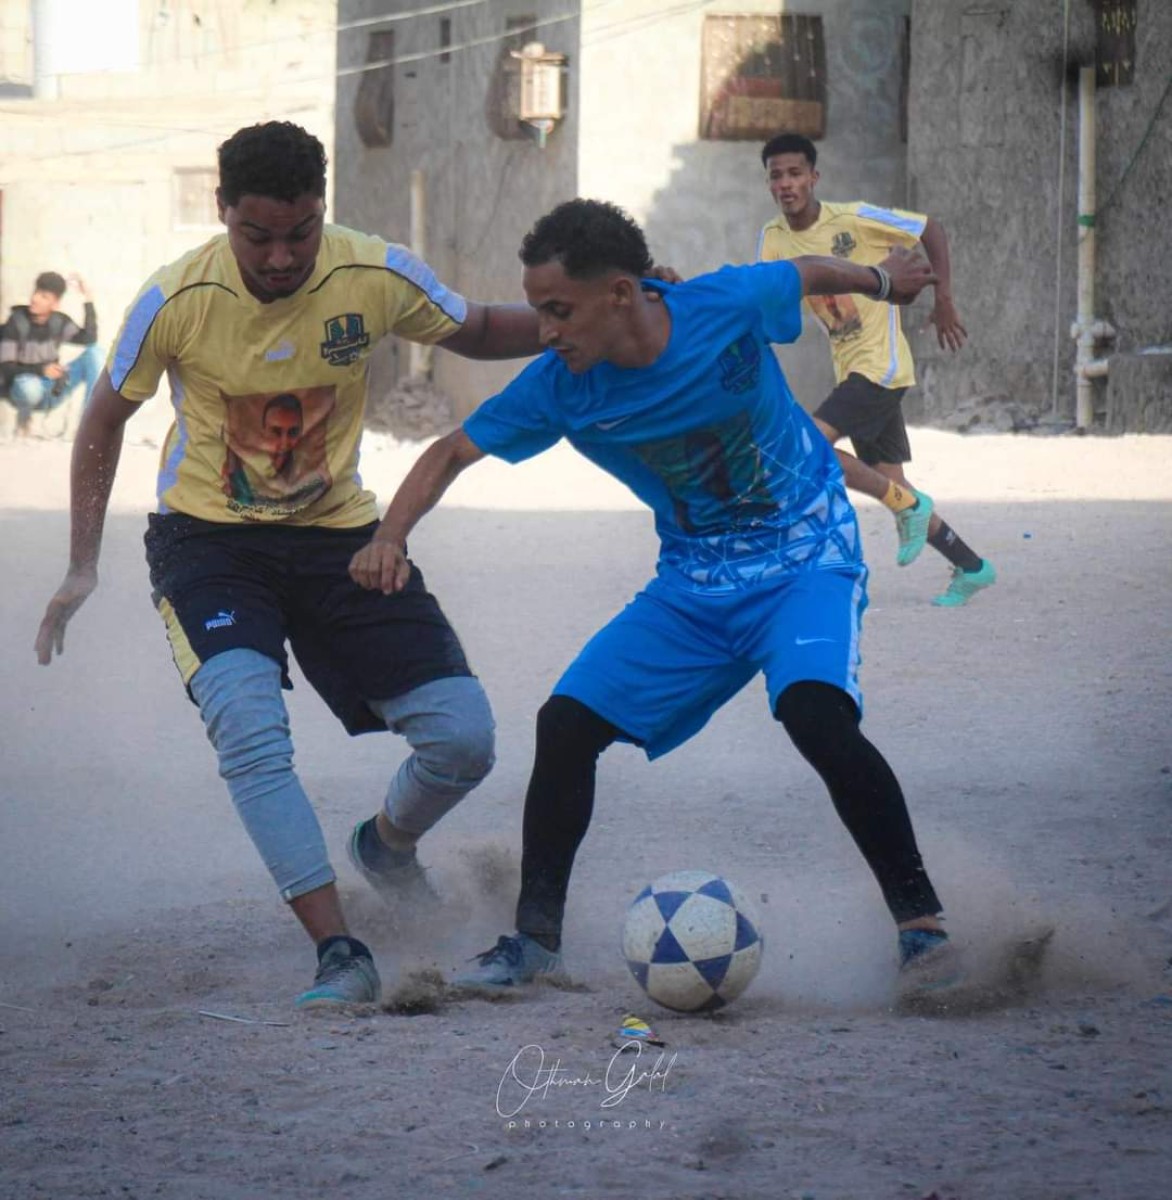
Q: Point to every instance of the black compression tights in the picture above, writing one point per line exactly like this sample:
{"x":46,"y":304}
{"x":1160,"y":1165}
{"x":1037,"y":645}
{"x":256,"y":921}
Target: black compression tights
{"x":558,"y":807}
{"x":824,"y":725}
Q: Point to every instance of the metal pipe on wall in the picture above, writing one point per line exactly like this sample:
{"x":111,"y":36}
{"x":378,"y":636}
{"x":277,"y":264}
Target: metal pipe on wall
{"x":1087,"y":331}
{"x":418,"y":357}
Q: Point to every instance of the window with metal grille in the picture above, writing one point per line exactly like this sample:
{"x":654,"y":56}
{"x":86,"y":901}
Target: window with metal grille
{"x":1115,"y":21}
{"x":193,"y":203}
{"x":762,"y":75}
{"x":374,"y":106}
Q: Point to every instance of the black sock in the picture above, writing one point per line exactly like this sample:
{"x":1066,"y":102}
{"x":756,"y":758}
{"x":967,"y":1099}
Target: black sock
{"x":375,"y":853}
{"x":953,"y":549}
{"x":357,"y":949}
{"x":551,"y":941}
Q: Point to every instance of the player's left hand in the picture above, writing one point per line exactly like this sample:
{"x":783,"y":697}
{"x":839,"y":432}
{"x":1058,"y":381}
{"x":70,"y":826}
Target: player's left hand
{"x":381,"y":566}
{"x":950,"y":333}
{"x":910,"y":273}
{"x":665,"y":274}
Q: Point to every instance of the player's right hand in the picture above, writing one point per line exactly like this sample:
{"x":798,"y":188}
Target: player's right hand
{"x":71,"y":595}
{"x":381,"y":565}
{"x":910,"y":273}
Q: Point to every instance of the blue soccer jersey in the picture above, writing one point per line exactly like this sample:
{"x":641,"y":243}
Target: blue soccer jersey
{"x":744,"y":487}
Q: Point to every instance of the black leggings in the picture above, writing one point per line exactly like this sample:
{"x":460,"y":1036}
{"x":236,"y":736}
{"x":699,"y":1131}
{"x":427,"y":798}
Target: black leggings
{"x":823,"y":723}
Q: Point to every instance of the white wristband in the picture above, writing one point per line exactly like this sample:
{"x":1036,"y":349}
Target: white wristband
{"x":884,"y":281}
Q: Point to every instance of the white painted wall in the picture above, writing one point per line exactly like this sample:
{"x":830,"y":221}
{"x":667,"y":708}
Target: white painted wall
{"x":73,"y":37}
{"x":87,"y":179}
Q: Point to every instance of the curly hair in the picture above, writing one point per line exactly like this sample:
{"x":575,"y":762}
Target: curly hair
{"x":278,"y":159}
{"x":587,"y":237}
{"x":789,"y":143}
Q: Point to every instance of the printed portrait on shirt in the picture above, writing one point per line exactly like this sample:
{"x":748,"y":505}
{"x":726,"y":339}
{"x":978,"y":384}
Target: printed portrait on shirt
{"x":715,"y":475}
{"x":839,"y":314}
{"x":275,"y":449}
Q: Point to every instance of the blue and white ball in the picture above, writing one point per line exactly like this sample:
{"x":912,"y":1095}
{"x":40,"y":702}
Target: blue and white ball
{"x":692,"y":941}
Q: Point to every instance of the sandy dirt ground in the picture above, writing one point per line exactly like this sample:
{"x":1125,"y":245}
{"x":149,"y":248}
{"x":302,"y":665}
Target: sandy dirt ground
{"x":148,"y":1043}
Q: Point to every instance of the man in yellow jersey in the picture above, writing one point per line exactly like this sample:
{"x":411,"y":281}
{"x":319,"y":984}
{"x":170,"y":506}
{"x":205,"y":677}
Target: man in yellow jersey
{"x":872,"y":361}
{"x":263,"y":333}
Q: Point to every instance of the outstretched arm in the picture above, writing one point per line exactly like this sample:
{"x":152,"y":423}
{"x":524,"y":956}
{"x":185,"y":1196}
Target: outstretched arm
{"x":382,"y":565}
{"x":950,"y":333}
{"x":906,"y":272}
{"x":96,"y":449}
{"x":88,"y":334}
{"x":495,"y":331}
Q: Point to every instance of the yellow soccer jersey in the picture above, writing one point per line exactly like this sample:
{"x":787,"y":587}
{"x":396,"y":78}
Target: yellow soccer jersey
{"x":269,"y":398}
{"x":866,"y":336}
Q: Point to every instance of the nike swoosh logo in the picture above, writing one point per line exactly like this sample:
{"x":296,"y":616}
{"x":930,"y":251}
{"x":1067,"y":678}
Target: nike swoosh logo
{"x":607,"y":425}
{"x":807,"y":641}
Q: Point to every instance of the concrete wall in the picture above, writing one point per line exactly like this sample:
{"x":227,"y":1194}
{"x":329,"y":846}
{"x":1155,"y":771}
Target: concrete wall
{"x":88,"y":179}
{"x":483,"y":192}
{"x":631,"y":136}
{"x":986,"y":104}
{"x":701,"y":202}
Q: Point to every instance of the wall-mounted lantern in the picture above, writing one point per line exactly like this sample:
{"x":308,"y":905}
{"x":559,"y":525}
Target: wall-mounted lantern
{"x":540,"y":76}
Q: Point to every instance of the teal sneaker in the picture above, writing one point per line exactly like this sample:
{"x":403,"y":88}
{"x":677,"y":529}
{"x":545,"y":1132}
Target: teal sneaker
{"x":966,"y":584}
{"x":343,"y":977}
{"x":512,"y":961}
{"x":399,"y":879}
{"x":912,"y":525}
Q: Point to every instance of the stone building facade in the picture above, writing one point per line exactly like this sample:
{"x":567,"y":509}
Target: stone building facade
{"x":637,"y":77}
{"x":992,"y":85}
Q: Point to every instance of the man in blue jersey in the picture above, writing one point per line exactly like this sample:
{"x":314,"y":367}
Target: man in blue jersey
{"x":675,"y":391}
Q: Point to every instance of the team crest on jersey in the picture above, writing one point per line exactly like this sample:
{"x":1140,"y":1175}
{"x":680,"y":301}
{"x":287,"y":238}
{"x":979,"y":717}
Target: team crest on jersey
{"x":842,"y":245}
{"x":740,"y":364}
{"x":346,"y":338}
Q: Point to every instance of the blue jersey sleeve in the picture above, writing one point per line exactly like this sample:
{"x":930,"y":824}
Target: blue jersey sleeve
{"x":517,"y":423}
{"x":776,"y":288}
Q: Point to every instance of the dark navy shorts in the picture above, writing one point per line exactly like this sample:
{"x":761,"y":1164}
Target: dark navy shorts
{"x":225,"y":587}
{"x":871,"y":416}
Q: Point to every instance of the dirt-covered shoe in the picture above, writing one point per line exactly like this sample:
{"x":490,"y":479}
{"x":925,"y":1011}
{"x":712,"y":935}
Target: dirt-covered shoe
{"x":397,"y":878}
{"x":513,"y":960}
{"x":344,"y":976}
{"x":927,"y":958}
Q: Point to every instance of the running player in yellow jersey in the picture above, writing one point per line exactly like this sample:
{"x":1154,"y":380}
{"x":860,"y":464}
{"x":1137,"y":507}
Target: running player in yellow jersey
{"x":263,"y":333}
{"x":873,"y":365}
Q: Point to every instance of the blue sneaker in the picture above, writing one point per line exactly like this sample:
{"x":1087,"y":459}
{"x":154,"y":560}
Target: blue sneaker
{"x":399,"y":880}
{"x":513,"y":960}
{"x":928,"y":963}
{"x":966,"y":584}
{"x":912,"y":525}
{"x":343,"y":977}
{"x":918,"y":946}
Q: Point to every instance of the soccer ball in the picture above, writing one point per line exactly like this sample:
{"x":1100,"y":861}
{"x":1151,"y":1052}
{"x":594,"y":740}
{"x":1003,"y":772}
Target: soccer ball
{"x":692,"y":941}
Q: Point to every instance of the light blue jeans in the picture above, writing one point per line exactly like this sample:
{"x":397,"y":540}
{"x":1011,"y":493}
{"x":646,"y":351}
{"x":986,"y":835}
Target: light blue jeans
{"x":447,"y":723}
{"x":34,"y":393}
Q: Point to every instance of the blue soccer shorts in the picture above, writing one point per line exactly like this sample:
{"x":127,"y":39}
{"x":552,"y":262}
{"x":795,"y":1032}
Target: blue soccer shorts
{"x":672,"y":657}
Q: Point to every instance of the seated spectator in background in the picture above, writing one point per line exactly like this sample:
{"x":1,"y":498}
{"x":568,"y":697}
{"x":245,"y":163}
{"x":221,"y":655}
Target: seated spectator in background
{"x":32,"y":377}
